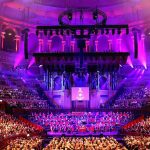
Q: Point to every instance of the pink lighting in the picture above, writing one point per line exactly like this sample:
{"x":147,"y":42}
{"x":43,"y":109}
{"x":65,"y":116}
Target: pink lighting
{"x":142,"y":52}
{"x":129,"y":62}
{"x":32,"y":61}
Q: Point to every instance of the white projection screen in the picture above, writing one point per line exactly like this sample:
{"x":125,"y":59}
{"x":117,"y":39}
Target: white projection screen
{"x":80,"y":93}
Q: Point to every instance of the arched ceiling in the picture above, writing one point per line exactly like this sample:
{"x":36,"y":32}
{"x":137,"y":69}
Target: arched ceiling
{"x":46,"y":12}
{"x":79,"y":3}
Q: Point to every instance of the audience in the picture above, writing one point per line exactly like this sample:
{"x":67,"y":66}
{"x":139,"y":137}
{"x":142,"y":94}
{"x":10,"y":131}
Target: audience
{"x":137,"y":142}
{"x":10,"y":126}
{"x":32,"y":143}
{"x":142,"y":127}
{"x":133,"y":98}
{"x":82,"y":122}
{"x":91,"y":143}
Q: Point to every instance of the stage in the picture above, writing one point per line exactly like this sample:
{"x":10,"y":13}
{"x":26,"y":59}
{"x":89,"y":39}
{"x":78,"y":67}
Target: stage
{"x":81,"y":134}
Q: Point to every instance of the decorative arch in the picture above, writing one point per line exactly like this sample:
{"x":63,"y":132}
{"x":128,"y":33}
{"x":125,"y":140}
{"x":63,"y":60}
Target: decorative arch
{"x":9,"y":43}
{"x":56,"y":43}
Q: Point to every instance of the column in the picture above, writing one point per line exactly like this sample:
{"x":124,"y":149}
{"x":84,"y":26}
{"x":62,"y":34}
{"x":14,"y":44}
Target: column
{"x":119,"y":44}
{"x":98,"y":80}
{"x":49,"y":45}
{"x":142,"y":52}
{"x":63,"y":45}
{"x":62,"y":81}
{"x":110,"y":45}
{"x":17,"y":38}
{"x":72,"y":46}
{"x":96,"y":45}
{"x":40,"y":45}
{"x":87,"y":48}
{"x":2,"y":40}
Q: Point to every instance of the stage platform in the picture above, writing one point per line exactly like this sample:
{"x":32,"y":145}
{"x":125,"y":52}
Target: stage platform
{"x":82,"y":134}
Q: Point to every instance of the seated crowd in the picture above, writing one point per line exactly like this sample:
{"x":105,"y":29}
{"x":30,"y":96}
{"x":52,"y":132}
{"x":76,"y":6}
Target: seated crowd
{"x":32,"y":143}
{"x":10,"y":126}
{"x":137,"y":142}
{"x":18,"y":93}
{"x":28,"y":104}
{"x":133,"y":98}
{"x":82,"y":121}
{"x":93,"y":143}
{"x":142,"y":127}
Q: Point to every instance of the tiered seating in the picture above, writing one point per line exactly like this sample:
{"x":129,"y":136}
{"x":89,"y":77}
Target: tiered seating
{"x":23,"y":94}
{"x":10,"y":126}
{"x":133,"y":98}
{"x":142,"y":127}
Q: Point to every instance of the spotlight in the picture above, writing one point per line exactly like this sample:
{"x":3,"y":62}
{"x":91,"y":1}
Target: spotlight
{"x":70,"y":16}
{"x":95,"y":15}
{"x":40,"y":66}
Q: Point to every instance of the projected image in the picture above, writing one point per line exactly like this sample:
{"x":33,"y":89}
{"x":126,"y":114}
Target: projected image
{"x":80,"y":93}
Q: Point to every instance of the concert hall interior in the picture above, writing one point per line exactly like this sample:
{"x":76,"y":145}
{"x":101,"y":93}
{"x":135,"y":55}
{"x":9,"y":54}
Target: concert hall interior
{"x":74,"y":74}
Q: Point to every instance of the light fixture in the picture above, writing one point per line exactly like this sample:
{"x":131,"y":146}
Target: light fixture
{"x":95,"y":15}
{"x":70,"y":16}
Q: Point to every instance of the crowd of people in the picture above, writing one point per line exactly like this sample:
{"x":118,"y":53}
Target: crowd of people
{"x":137,"y":142}
{"x":18,"y":93}
{"x":143,"y":127}
{"x":82,"y":121}
{"x":133,"y":98}
{"x":28,"y":104}
{"x":32,"y":143}
{"x":11,"y":126}
{"x":91,"y":143}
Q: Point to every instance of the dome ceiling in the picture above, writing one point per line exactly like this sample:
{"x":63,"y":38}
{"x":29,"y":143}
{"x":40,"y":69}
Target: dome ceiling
{"x":80,"y":3}
{"x":46,"y":12}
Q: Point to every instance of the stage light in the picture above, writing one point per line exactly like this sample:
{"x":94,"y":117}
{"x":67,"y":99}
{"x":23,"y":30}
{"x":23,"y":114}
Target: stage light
{"x":95,"y":15}
{"x":1,"y":100}
{"x":9,"y":34}
{"x":70,"y":16}
{"x":40,"y":66}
